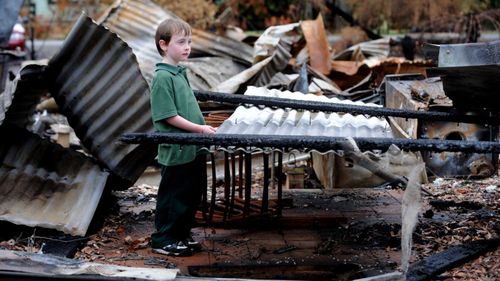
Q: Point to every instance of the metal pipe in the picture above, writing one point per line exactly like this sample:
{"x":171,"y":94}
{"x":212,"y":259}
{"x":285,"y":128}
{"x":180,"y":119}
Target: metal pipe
{"x":233,"y":183}
{"x":240,"y":175}
{"x":227,"y":185}
{"x":311,"y":142}
{"x":279,"y":202}
{"x":214,"y":189}
{"x":248,"y":183}
{"x":265,"y":191}
{"x":346,"y":108}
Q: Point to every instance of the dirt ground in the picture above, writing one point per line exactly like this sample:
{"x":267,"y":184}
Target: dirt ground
{"x":339,"y":234}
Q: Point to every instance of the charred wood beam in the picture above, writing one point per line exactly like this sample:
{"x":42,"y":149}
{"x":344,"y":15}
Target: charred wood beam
{"x":311,"y":142}
{"x":444,"y":204}
{"x":450,"y":258}
{"x":346,"y":108}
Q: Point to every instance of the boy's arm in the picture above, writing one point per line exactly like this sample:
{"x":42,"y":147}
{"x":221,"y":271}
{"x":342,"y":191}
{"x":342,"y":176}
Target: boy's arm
{"x":186,"y":125}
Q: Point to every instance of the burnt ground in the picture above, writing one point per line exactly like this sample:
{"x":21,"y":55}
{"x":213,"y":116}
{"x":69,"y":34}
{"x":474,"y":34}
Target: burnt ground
{"x":322,"y":235}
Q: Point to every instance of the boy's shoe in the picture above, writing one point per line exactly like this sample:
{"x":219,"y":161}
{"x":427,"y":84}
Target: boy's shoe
{"x":194,"y":245}
{"x":178,"y":249}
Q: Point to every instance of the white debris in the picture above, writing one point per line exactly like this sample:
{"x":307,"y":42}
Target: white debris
{"x":491,"y":188}
{"x":438,"y":181}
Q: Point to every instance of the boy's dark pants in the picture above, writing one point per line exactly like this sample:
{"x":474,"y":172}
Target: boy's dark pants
{"x":179,"y":196}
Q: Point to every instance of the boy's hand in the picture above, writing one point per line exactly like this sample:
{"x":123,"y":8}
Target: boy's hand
{"x":206,"y":129}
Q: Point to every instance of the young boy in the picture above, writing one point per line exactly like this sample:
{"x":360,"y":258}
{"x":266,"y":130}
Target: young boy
{"x":183,"y":168}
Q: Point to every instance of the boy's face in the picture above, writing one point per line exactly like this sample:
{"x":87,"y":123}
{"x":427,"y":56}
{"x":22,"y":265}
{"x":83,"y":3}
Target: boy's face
{"x":178,"y":49}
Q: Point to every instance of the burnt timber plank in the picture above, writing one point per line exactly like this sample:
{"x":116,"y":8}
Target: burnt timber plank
{"x":450,"y":258}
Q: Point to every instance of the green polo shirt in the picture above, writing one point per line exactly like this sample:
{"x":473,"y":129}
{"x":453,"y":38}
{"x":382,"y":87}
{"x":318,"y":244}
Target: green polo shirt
{"x":172,"y":95}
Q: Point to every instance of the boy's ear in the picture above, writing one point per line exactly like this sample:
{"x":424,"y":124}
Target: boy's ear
{"x":163,"y":45}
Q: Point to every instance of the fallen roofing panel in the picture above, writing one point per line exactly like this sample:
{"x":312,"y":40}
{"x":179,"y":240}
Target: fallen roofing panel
{"x":32,"y":266}
{"x":261,"y":91}
{"x":99,"y":88}
{"x":208,"y":72}
{"x":43,"y":184}
{"x":279,"y":61}
{"x":267,"y":121}
{"x":136,"y":21}
{"x":374,"y":48}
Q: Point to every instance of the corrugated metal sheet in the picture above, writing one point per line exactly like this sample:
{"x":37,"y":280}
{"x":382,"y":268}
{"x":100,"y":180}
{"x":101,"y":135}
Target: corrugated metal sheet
{"x":261,"y":91}
{"x":18,"y":101}
{"x":136,"y":21}
{"x":374,"y":48}
{"x":208,"y":72}
{"x":267,"y":121}
{"x":43,"y":184}
{"x":99,"y":88}
{"x":279,"y":61}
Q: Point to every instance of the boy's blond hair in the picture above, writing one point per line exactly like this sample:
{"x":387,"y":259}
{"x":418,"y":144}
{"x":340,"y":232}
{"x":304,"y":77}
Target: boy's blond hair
{"x":169,"y":27}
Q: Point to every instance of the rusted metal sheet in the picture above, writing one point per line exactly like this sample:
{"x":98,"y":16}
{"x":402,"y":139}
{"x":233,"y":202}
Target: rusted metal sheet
{"x":136,"y":21}
{"x":397,"y":66}
{"x":346,"y":67}
{"x":425,"y":95}
{"x":43,"y":184}
{"x":317,"y":44}
{"x":18,"y":101}
{"x":99,"y":88}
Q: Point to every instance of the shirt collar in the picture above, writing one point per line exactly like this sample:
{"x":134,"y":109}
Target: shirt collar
{"x":170,"y":68}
